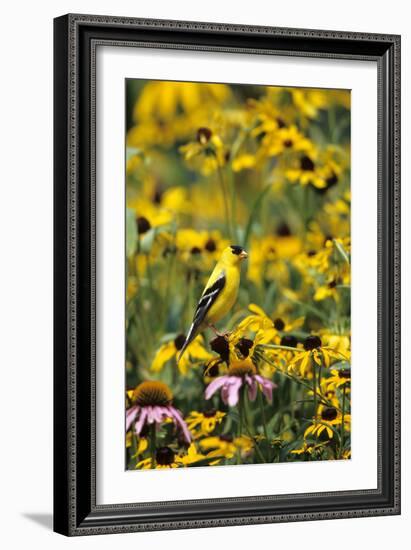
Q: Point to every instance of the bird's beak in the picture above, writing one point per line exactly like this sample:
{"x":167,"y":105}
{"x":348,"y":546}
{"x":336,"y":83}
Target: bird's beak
{"x":243,"y":255}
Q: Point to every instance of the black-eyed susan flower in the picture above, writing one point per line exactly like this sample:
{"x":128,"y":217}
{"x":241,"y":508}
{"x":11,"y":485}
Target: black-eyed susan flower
{"x":191,"y":456}
{"x":167,"y":458}
{"x":226,"y":446}
{"x":259,"y":320}
{"x":286,"y":139}
{"x":307,"y":172}
{"x":315,"y":352}
{"x":199,"y":248}
{"x":309,"y":101}
{"x":308,"y":448}
{"x":203,"y":423}
{"x":328,"y":290}
{"x":339,"y":377}
{"x":240,"y":373}
{"x":207,"y":153}
{"x":152,"y":405}
{"x":196,"y":352}
{"x":328,"y":419}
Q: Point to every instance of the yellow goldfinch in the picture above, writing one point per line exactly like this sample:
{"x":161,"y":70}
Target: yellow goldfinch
{"x":220,"y":293}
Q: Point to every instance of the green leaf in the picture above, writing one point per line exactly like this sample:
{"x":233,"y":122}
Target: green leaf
{"x":342,"y":251}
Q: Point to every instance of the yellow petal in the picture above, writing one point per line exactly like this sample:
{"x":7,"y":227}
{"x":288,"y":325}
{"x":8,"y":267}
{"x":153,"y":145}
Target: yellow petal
{"x":164,"y":354}
{"x":257,"y":310}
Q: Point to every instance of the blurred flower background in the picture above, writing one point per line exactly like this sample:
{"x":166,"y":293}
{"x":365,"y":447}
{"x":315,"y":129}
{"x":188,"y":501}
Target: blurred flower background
{"x":266,"y":168}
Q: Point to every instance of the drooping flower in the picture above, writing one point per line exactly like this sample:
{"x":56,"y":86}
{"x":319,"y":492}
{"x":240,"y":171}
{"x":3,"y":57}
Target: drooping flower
{"x":207,"y":153}
{"x":329,"y":419}
{"x":240,"y":373}
{"x":153,"y":405}
{"x":313,"y":351}
{"x":340,"y":377}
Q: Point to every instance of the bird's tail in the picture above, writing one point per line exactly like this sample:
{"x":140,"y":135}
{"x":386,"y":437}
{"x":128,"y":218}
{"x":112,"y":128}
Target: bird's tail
{"x":192,"y":333}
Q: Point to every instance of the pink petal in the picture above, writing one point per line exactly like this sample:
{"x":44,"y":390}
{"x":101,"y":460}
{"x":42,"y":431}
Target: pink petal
{"x":266,"y":386}
{"x":252,"y":387}
{"x":141,"y":421}
{"x":215,"y":385}
{"x":224,"y":394}
{"x":130,"y":416}
{"x":159,"y":413}
{"x":233,"y":387}
{"x":150,"y":414}
{"x":176,"y":415}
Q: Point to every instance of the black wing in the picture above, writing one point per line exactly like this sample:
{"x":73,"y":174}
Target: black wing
{"x":207,"y":299}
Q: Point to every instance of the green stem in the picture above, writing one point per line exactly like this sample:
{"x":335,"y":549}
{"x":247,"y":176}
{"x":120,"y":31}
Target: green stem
{"x":297,"y":380}
{"x":242,"y":412}
{"x":240,"y":422}
{"x":153,"y":445}
{"x":278,"y":346}
{"x":342,"y":423}
{"x":315,"y":391}
{"x":264,"y":421}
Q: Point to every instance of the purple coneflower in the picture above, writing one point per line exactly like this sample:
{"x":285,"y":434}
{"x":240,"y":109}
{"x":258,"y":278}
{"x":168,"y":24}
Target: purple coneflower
{"x":240,"y":373}
{"x":152,"y":405}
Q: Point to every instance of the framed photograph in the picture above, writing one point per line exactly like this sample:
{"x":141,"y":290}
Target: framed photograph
{"x":227,"y":277}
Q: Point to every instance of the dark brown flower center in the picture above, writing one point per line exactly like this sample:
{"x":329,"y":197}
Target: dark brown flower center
{"x":283,"y":230}
{"x":280,"y":122}
{"x":210,"y":413}
{"x":204,"y":135}
{"x":164,"y":456}
{"x":279,"y":324}
{"x":329,"y":413}
{"x":195,"y":250}
{"x":332,"y":284}
{"x":179,"y":341}
{"x":143,"y":225}
{"x":344,"y":373}
{"x":332,"y":180}
{"x":244,"y":345}
{"x":312,"y":342}
{"x":307,"y":164}
{"x":289,"y":340}
{"x":210,"y":245}
{"x":158,"y":193}
{"x":212,"y":371}
{"x":152,"y":393}
{"x":288,"y":143}
{"x":219,"y":344}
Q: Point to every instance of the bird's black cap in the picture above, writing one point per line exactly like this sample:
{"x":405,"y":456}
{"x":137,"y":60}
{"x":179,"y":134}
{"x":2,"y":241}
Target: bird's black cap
{"x":237,"y":249}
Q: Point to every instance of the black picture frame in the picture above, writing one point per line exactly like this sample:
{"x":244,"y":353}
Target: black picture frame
{"x":76,"y":38}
